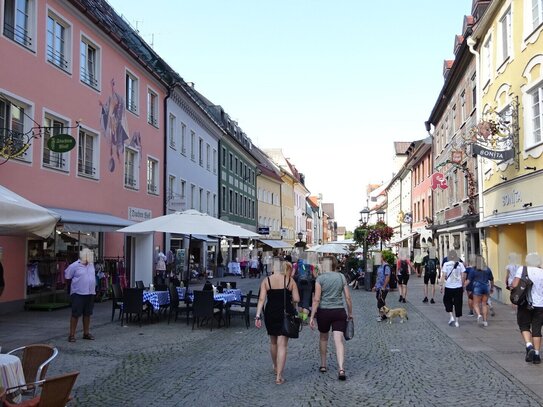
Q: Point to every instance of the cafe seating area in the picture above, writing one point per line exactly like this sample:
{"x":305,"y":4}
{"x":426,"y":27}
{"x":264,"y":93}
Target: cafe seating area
{"x":24,"y":381}
{"x":206,"y":304}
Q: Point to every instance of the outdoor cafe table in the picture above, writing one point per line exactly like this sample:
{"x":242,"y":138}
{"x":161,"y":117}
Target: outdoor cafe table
{"x":223,"y":297}
{"x":11,"y":372}
{"x":156,"y":298}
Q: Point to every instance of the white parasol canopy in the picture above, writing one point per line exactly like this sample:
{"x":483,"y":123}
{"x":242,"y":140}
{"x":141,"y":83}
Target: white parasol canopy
{"x":20,"y":217}
{"x":332,"y":248}
{"x":190,"y":222}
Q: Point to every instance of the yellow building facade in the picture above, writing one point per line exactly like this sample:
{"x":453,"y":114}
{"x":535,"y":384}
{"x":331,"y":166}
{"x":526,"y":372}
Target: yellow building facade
{"x":508,"y":43}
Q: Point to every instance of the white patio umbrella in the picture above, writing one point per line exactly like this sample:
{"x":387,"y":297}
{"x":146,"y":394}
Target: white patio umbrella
{"x":332,"y":248}
{"x":20,"y":217}
{"x":190,"y":222}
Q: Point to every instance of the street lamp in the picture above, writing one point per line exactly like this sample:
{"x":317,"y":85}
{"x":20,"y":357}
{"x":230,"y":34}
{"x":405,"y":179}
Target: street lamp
{"x":364,"y":217}
{"x":380,"y":215}
{"x":300,"y":236}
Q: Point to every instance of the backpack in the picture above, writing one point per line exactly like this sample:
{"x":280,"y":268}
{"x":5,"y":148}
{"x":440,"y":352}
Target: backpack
{"x":404,"y":267}
{"x":431,"y":266}
{"x":521,"y":295}
{"x":304,"y":273}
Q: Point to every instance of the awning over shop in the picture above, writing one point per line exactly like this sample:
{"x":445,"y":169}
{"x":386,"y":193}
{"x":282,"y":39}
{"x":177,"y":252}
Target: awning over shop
{"x":205,"y":238}
{"x":83,"y":221}
{"x":402,"y":238}
{"x":523,"y":215}
{"x":276,"y":244}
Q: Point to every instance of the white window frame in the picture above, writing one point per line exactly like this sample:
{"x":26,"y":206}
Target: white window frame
{"x":463,"y":106}
{"x":132,"y":92}
{"x":183,"y":138}
{"x":131,"y":168}
{"x":152,"y":107}
{"x":171,"y":187}
{"x":89,"y":71}
{"x":215,"y":205}
{"x":153,"y":176}
{"x":172,"y":125}
{"x":51,"y":159}
{"x":192,"y":196}
{"x":183,"y":191}
{"x":20,"y":25}
{"x":201,"y":200}
{"x":208,"y":156}
{"x":487,"y":60}
{"x":15,"y":106}
{"x":92,"y":171}
{"x":192,"y":145}
{"x":505,"y":33}
{"x":214,"y":161}
{"x":58,"y":51}
{"x":201,"y":152}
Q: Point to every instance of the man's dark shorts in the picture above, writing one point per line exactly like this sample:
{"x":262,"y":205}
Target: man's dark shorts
{"x":530,"y":320}
{"x":403,"y":279}
{"x":430,"y":277}
{"x":82,"y":305}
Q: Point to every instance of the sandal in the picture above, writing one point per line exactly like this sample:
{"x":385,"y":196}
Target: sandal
{"x":71,"y":338}
{"x":322,"y":369}
{"x":341,"y":375}
{"x":280,"y":381}
{"x":88,"y":337}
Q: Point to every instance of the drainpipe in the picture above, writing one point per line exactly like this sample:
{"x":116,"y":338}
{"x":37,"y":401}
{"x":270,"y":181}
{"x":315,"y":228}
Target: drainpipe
{"x":478,"y":105}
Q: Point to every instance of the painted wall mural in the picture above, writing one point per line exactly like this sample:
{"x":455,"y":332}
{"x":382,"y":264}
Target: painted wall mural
{"x":115,"y":127}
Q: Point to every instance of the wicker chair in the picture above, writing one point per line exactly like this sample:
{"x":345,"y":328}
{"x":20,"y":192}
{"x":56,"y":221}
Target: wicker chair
{"x":117,"y":300}
{"x":240,"y":308}
{"x":55,"y":392}
{"x":35,"y":360}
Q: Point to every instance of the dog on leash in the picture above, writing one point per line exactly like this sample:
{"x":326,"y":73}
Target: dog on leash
{"x":394,"y":313}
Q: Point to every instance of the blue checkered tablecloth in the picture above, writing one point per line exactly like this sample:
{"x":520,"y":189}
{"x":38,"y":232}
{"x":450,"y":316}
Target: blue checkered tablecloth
{"x":224,"y":297}
{"x":156,"y":298}
{"x":181,"y":292}
{"x":235,"y":291}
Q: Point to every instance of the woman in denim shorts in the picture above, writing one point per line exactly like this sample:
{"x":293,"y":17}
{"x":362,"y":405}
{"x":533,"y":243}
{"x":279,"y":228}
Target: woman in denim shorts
{"x":483,"y":285}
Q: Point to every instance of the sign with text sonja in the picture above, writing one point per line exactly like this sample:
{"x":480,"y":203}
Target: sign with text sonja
{"x":138,"y":214}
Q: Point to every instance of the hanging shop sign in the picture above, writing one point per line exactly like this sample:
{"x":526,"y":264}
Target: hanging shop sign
{"x":264,"y":230}
{"x":499,"y":155}
{"x":438,"y":180}
{"x":61,"y":143}
{"x":456,"y":156}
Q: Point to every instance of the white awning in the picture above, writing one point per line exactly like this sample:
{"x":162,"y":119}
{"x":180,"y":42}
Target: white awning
{"x":520,"y":216}
{"x":276,"y":244}
{"x":83,"y":221}
{"x":205,"y":238}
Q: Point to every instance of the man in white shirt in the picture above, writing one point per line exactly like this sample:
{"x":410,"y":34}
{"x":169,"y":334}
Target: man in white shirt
{"x":452,"y":282}
{"x":530,"y":319}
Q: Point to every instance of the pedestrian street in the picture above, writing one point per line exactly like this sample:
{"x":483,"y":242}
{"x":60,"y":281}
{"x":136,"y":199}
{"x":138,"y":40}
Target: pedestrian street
{"x":420,"y":362}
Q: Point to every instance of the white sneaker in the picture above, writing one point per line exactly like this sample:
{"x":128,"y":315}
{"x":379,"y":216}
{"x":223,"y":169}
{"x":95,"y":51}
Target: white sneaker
{"x":479,"y":319}
{"x":485,"y":323}
{"x":456,"y":324}
{"x":451,"y":321}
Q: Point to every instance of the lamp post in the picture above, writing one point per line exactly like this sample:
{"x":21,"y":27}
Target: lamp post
{"x":364,"y":217}
{"x":381,"y":218}
{"x":300,"y":236}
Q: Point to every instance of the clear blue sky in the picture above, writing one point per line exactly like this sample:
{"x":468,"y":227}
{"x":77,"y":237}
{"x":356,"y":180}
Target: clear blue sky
{"x":332,"y":82}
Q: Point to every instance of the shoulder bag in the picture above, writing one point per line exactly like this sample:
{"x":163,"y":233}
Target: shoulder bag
{"x":521,"y":295}
{"x":292,"y":325}
{"x":349,"y":329}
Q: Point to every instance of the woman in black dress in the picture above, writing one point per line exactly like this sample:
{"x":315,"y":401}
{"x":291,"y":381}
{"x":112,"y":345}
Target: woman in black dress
{"x":273,"y":290}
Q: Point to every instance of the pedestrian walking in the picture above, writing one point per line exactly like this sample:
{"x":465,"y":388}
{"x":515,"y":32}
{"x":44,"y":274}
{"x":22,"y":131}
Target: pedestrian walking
{"x":470,"y":266}
{"x":331,"y":291}
{"x":82,"y":277}
{"x":483,"y":285}
{"x":430,"y":265}
{"x":510,"y":271}
{"x":530,"y":317}
{"x":277,"y":291}
{"x":403,"y":269}
{"x":304,"y":277}
{"x":382,"y":287}
{"x":451,"y":285}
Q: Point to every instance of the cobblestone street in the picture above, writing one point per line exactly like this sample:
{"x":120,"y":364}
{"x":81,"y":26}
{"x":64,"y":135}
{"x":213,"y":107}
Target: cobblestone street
{"x":415,"y":363}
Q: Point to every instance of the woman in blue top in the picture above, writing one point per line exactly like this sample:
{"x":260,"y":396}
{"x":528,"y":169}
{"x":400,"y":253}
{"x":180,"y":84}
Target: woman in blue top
{"x":331,"y":290}
{"x":483,"y":285}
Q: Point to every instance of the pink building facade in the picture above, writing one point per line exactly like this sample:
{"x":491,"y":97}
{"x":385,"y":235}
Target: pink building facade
{"x":63,"y":72}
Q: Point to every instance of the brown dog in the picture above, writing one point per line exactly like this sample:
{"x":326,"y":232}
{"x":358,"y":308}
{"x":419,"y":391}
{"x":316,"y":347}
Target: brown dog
{"x":394,"y":313}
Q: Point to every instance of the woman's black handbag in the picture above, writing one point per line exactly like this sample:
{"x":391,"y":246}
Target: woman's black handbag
{"x":349,"y":329}
{"x":292,"y":325}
